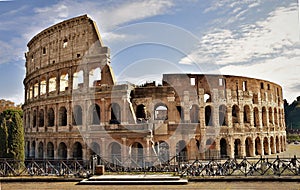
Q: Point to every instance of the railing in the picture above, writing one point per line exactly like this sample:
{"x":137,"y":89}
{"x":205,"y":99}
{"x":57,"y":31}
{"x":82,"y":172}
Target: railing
{"x":177,"y":165}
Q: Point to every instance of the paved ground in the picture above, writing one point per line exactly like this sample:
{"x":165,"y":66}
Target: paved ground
{"x":202,"y":185}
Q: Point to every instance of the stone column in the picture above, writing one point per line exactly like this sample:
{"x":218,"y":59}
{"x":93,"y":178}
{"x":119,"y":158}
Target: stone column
{"x":243,"y":147}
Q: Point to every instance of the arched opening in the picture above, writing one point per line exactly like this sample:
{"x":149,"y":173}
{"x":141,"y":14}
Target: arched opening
{"x":211,"y":151}
{"x":64,"y":82}
{"x":162,"y":151}
{"x":41,"y":118}
{"x":223,"y":148}
{"x":137,"y":154}
{"x":249,"y":147}
{"x":180,"y":113}
{"x":194,"y":114}
{"x":95,"y":149}
{"x":77,"y":151}
{"x":247,"y":114}
{"x":222,"y":115}
{"x":32,"y":149}
{"x":62,"y":116}
{"x":43,"y":87}
{"x":142,"y":114}
{"x":95,"y":114}
{"x":52,"y":84}
{"x":161,"y":112}
{"x":266,"y":146}
{"x":50,"y":117}
{"x":208,"y":116}
{"x":256,"y":117}
{"x":264,"y":116}
{"x":235,"y":114}
{"x":281,"y":143}
{"x":41,"y":150}
{"x":34,"y":118}
{"x":77,"y":115}
{"x":36,"y":89}
{"x":115,"y":114}
{"x":277,"y":145}
{"x":115,"y":153}
{"x":275,"y":116}
{"x":270,"y":115}
{"x":181,"y":151}
{"x":272,"y":145}
{"x":207,"y":97}
{"x":258,"y":146}
{"x":62,"y":151}
{"x":94,"y":77}
{"x":78,"y":79}
{"x":50,"y":150}
{"x":237,"y":148}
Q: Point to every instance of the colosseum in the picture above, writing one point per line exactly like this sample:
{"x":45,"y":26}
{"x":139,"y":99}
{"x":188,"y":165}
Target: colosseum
{"x":74,"y":108}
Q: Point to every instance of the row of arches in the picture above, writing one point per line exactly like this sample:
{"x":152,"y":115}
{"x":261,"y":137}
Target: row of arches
{"x":40,"y":150}
{"x":62,"y":81}
{"x":94,"y":117}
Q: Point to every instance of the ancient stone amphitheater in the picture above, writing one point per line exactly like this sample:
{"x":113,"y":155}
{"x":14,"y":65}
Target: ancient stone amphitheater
{"x":74,"y":108}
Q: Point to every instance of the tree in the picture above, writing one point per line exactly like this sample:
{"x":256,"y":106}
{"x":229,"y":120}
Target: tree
{"x":12,"y":135}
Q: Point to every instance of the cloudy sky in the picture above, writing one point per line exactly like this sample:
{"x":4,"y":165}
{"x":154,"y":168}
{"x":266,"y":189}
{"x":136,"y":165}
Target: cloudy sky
{"x":253,"y":38}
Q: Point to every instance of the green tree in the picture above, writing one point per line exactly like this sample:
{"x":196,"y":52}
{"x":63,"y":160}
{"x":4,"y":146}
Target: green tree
{"x":3,"y":138}
{"x":12,"y":134}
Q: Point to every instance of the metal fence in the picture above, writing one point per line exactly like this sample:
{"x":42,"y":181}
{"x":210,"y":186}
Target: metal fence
{"x":213,"y":167}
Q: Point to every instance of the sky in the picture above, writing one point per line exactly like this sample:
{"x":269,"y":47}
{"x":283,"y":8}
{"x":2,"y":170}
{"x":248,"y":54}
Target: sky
{"x":252,"y":38}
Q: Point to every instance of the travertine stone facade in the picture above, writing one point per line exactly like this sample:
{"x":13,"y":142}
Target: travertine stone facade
{"x":73,"y":107}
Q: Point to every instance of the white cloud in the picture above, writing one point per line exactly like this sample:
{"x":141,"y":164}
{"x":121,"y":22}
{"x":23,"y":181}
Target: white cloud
{"x":261,"y":40}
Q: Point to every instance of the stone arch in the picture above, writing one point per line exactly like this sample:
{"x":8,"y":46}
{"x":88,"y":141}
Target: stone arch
{"x":270,"y":115}
{"x":43,"y":86}
{"x":78,"y":79}
{"x":115,"y":113}
{"x":33,"y":144}
{"x":277,"y":145}
{"x":249,"y":147}
{"x":180,"y":113}
{"x":50,"y":150}
{"x":266,"y":146}
{"x":258,"y":146}
{"x":272,"y":145}
{"x":52,"y":83}
{"x":208,"y":116}
{"x":94,"y":77}
{"x":141,"y":113}
{"x":160,"y":112}
{"x":95,"y":114}
{"x":235,"y":114}
{"x":63,"y":118}
{"x":181,"y":151}
{"x":222,"y":115}
{"x":207,"y":97}
{"x":137,"y":153}
{"x":237,"y":148}
{"x":62,"y":151}
{"x":95,"y":149}
{"x":115,"y":152}
{"x":34,"y":119}
{"x":275,"y":116}
{"x":194,"y":114}
{"x":77,"y":151}
{"x":41,"y":118}
{"x":77,"y":115}
{"x":40,"y":150}
{"x":223,"y":148}
{"x":281,"y":143}
{"x":162,"y":151}
{"x":256,"y":117}
{"x":63,"y":81}
{"x":51,"y":117}
{"x":264,"y":116}
{"x":247,"y":114}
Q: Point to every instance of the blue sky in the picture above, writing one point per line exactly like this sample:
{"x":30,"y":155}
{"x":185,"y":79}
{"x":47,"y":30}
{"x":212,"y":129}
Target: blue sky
{"x":253,"y":38}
